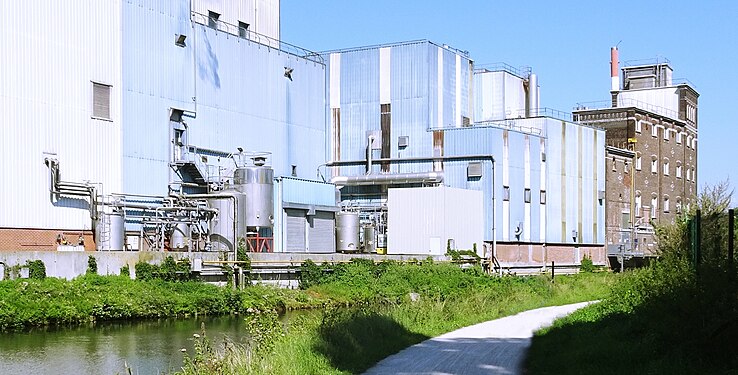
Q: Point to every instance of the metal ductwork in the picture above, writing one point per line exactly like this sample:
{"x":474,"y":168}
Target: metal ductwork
{"x":389,"y":179}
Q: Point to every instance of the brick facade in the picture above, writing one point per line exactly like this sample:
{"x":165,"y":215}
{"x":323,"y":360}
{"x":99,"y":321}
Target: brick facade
{"x":16,"y":239}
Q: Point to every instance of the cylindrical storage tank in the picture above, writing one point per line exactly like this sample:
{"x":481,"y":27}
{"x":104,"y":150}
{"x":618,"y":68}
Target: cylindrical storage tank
{"x":110,"y":231}
{"x":257,"y":183}
{"x":223,"y":225}
{"x":347,"y":231}
{"x":180,"y":237}
{"x":369,"y":240}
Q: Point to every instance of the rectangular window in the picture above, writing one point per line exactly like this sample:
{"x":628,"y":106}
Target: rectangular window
{"x":527,"y":195}
{"x":666,"y":168}
{"x":638,"y":162}
{"x":543,"y":196}
{"x":213,"y":19}
{"x":638,"y":127}
{"x":101,"y":101}
{"x":654,"y":166}
{"x":679,"y":138}
{"x":666,"y":204}
{"x":243,"y":29}
{"x":654,"y":204}
{"x":638,"y":205}
{"x":505,"y":193}
{"x":626,"y":167}
{"x":654,"y":131}
{"x":625,"y":220}
{"x":678,"y":171}
{"x":666,"y":134}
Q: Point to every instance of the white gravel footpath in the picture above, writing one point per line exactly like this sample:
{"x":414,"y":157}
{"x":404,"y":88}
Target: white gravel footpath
{"x":493,"y":347}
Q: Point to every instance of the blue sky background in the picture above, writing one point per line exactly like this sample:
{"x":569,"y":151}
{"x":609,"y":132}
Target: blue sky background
{"x":567,"y":43}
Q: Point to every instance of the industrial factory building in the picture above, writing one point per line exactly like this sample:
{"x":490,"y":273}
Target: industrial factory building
{"x":148,"y":123}
{"x":403,"y":115}
{"x":651,"y":125}
{"x":190,"y":126}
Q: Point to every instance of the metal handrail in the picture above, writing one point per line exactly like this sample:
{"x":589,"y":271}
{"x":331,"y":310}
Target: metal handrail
{"x":253,"y":36}
{"x":522,"y":71}
{"x":627,"y":102}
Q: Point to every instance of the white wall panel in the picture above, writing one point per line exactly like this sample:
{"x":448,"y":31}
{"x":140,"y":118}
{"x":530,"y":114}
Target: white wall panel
{"x":50,"y":53}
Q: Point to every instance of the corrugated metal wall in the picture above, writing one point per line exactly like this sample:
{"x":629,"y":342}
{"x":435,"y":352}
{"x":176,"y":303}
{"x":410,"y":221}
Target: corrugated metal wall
{"x":261,"y":15}
{"x":422,"y":220}
{"x":51,"y":54}
{"x":237,"y":88}
{"x":498,"y":95}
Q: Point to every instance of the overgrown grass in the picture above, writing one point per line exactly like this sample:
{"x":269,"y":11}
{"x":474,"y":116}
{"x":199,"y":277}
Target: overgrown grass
{"x":90,"y":298}
{"x":348,"y":341}
{"x":673,"y":317}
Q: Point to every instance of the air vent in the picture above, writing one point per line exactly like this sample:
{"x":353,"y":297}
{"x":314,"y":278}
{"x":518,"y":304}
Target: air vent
{"x":474,"y":170}
{"x":403,"y":141}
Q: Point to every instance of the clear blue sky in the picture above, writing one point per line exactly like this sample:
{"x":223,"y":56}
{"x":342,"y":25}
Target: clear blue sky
{"x":567,"y":43}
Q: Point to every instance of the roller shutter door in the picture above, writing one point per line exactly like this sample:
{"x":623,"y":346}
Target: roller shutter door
{"x":296,"y":223}
{"x":322,"y":235}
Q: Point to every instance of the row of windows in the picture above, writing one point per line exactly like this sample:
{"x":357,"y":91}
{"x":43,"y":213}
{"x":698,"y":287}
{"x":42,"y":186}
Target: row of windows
{"x":655,"y":203}
{"x":526,"y":195}
{"x":691,"y":175}
{"x":691,"y":142}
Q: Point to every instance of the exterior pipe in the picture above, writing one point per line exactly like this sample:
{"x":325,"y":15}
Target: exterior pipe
{"x":235,"y":212}
{"x":388,"y":179}
{"x":370,"y":140}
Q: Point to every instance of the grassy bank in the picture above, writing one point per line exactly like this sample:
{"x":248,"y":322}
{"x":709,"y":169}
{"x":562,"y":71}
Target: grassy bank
{"x":674,"y":317}
{"x":90,"y":298}
{"x":351,"y":340}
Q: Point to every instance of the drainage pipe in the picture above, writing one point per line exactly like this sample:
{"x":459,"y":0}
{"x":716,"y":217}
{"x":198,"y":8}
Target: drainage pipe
{"x":389,"y":179}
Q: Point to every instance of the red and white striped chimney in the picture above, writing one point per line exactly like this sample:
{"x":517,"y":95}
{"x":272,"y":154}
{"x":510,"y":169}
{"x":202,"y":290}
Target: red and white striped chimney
{"x":615,"y":80}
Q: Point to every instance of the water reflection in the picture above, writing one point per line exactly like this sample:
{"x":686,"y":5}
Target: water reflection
{"x":147,"y":347}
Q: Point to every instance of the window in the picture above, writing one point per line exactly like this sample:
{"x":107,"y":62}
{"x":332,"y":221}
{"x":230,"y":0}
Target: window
{"x":543,"y":196}
{"x":666,"y":203}
{"x":638,"y":127}
{"x":638,"y":161}
{"x":678,"y":171}
{"x":654,"y":205}
{"x":505,"y":193}
{"x":678,"y":205}
{"x":213,"y":19}
{"x":679,"y":138}
{"x":654,"y":131}
{"x":654,"y":164}
{"x":666,"y":167}
{"x":625,"y":220}
{"x":666,"y":134}
{"x":694,"y":175}
{"x":694,"y":144}
{"x":626,"y":167}
{"x":294,"y":170}
{"x":614,"y":166}
{"x":101,"y":101}
{"x":638,"y":203}
{"x":527,"y":195}
{"x":243,"y":29}
{"x":689,"y":174}
{"x":689,"y":141}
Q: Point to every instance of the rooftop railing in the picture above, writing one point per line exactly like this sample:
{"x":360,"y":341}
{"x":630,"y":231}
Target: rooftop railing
{"x":245,"y":33}
{"x":521,"y":71}
{"x":627,"y":102}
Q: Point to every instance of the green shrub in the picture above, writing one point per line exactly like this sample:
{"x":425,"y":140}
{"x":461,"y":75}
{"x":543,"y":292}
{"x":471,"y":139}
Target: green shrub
{"x":91,"y":265}
{"x":310,"y":274}
{"x":125,"y":271}
{"x":145,"y":271}
{"x":36,"y":269}
{"x":587,"y":265}
{"x":168,"y":269}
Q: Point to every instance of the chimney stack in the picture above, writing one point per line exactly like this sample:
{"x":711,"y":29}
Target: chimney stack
{"x":615,"y":83}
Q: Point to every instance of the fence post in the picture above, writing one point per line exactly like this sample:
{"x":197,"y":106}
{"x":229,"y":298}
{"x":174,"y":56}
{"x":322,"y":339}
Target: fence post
{"x":731,"y":234}
{"x":553,"y":266}
{"x":695,"y":237}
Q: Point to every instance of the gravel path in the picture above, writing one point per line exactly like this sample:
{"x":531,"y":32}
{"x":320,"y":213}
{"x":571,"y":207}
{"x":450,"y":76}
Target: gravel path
{"x":493,"y":347}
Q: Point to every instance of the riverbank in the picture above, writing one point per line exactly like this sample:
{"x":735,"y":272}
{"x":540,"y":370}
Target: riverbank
{"x":418,"y":302}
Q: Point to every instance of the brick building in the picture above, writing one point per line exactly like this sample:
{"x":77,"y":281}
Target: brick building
{"x":651,"y":154}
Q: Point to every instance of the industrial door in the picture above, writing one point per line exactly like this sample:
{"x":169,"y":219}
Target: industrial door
{"x":295,"y":228}
{"x":321,"y":233}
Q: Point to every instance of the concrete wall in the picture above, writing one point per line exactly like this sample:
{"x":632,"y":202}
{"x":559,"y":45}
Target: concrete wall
{"x":70,"y":264}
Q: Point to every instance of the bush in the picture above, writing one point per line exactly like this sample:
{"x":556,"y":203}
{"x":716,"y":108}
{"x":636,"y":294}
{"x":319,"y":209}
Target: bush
{"x":587,"y":265}
{"x":125,"y":271}
{"x":145,"y":271}
{"x":36,"y":269}
{"x":310,"y":274}
{"x":91,"y":265}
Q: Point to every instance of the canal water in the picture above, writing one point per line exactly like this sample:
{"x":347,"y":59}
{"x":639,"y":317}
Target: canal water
{"x":146,"y":347}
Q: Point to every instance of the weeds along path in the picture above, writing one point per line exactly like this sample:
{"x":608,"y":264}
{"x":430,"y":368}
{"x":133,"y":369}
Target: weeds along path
{"x":493,"y":347}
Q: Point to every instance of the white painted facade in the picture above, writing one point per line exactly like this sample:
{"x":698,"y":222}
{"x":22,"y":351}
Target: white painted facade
{"x":50,"y":55}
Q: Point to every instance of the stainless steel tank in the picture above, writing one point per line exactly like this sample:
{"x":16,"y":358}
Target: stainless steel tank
{"x":110,"y":231}
{"x":347,"y":231}
{"x":222,"y":228}
{"x":369,"y":240}
{"x":256,"y":185}
{"x":180,"y":237}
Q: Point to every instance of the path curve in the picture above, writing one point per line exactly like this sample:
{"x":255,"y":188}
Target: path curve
{"x":493,"y":347}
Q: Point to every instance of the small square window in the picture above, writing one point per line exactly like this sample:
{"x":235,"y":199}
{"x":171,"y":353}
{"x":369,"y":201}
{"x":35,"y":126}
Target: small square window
{"x":101,"y":101}
{"x":527,"y":195}
{"x":505,"y":193}
{"x":243,"y":29}
{"x":213,"y":19}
